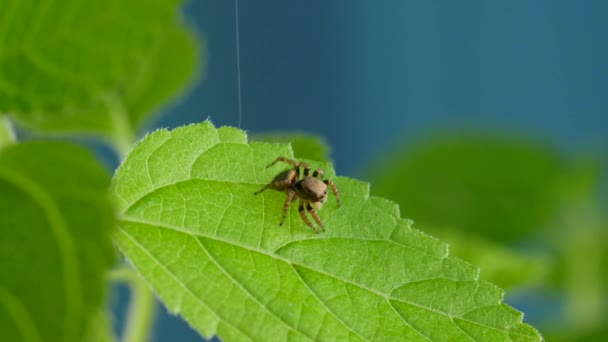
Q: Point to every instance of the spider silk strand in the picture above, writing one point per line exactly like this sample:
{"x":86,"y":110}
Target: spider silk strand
{"x":238,"y":57}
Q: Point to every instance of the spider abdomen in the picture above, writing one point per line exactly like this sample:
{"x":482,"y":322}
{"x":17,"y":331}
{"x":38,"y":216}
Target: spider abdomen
{"x":311,"y":189}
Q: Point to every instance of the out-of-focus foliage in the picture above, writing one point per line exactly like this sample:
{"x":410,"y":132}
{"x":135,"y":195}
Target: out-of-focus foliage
{"x":516,"y":207}
{"x":498,"y":263}
{"x":499,"y":188}
{"x":92,"y":66}
{"x":54,"y":242}
{"x":7,"y":136}
{"x":100,"y":328}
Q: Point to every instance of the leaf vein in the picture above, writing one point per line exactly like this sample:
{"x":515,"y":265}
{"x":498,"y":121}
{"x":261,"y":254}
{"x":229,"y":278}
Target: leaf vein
{"x":314,"y":294}
{"x":387,"y":296}
{"x":245,"y":290}
{"x":121,"y":230}
{"x":63,"y":238}
{"x":23,"y":319}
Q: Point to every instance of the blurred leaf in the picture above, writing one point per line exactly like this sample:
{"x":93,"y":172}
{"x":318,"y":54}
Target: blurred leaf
{"x":99,"y":329}
{"x":54,"y":242}
{"x":7,"y":136}
{"x":91,"y":66}
{"x":215,"y":253}
{"x":304,"y":146}
{"x":502,"y":266}
{"x":558,"y":334}
{"x":497,"y":187}
{"x":578,"y":237}
{"x":164,"y":73}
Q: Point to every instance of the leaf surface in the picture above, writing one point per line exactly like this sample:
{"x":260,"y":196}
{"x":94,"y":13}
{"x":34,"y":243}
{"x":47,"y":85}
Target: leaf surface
{"x":91,"y":66}
{"x":54,"y":241}
{"x":214,"y":252}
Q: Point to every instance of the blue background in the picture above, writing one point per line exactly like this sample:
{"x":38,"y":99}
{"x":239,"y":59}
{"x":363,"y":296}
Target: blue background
{"x":368,"y":74}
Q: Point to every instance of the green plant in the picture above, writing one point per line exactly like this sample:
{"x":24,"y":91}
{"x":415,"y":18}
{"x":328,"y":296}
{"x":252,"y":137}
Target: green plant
{"x":181,"y":208}
{"x":512,"y":188}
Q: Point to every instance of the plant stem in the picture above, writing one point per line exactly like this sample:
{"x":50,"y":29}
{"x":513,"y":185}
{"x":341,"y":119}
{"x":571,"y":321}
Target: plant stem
{"x":581,"y":244}
{"x":123,"y":137}
{"x":7,"y":135}
{"x":142,"y":307}
{"x":583,"y":282}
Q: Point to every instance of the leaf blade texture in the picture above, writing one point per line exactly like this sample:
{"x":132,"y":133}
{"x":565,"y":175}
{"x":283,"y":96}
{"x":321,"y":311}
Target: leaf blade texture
{"x":54,"y":241}
{"x":215,"y":253}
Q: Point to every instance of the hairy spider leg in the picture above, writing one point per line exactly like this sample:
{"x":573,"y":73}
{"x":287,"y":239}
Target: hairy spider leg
{"x":334,"y":190}
{"x":318,"y":173}
{"x":305,"y":218}
{"x":263,"y":188}
{"x":296,"y":164}
{"x":314,"y":214}
{"x":284,"y":160}
{"x":282,"y":183}
{"x":290,"y":196}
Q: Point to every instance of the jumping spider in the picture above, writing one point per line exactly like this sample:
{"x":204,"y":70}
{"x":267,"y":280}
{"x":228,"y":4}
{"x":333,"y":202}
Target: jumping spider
{"x":310,"y":190}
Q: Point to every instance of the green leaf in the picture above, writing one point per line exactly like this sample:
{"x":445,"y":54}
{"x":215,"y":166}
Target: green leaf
{"x":304,"y":146}
{"x":91,"y":66}
{"x":575,"y":334}
{"x":99,"y":329}
{"x":7,"y":135}
{"x":503,"y":266}
{"x":54,"y":241}
{"x":499,"y":187}
{"x":214,"y":252}
{"x":164,"y":73}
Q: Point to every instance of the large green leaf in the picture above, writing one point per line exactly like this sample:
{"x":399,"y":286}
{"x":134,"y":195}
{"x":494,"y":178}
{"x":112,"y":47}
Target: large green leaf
{"x":54,"y":241}
{"x":214,"y":252}
{"x":91,"y":66}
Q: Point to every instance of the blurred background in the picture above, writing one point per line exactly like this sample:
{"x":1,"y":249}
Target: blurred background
{"x":486,"y":121}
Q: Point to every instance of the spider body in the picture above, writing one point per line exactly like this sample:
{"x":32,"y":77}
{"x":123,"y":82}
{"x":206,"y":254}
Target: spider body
{"x":311,"y":191}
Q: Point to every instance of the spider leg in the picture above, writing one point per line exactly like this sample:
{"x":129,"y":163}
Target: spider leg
{"x":284,"y":160}
{"x":290,"y":196}
{"x":263,"y":188}
{"x":295,"y":163}
{"x":281,"y":182}
{"x":318,"y":173}
{"x":305,"y":218}
{"x":314,"y":214}
{"x":306,"y":168}
{"x":334,"y":190}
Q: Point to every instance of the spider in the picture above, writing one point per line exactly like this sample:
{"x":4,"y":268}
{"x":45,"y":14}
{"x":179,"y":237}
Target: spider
{"x":310,"y":190}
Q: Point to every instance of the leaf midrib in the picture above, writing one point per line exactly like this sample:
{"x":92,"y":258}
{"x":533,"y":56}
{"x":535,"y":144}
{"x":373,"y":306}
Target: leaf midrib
{"x":223,"y":270}
{"x":23,"y":319}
